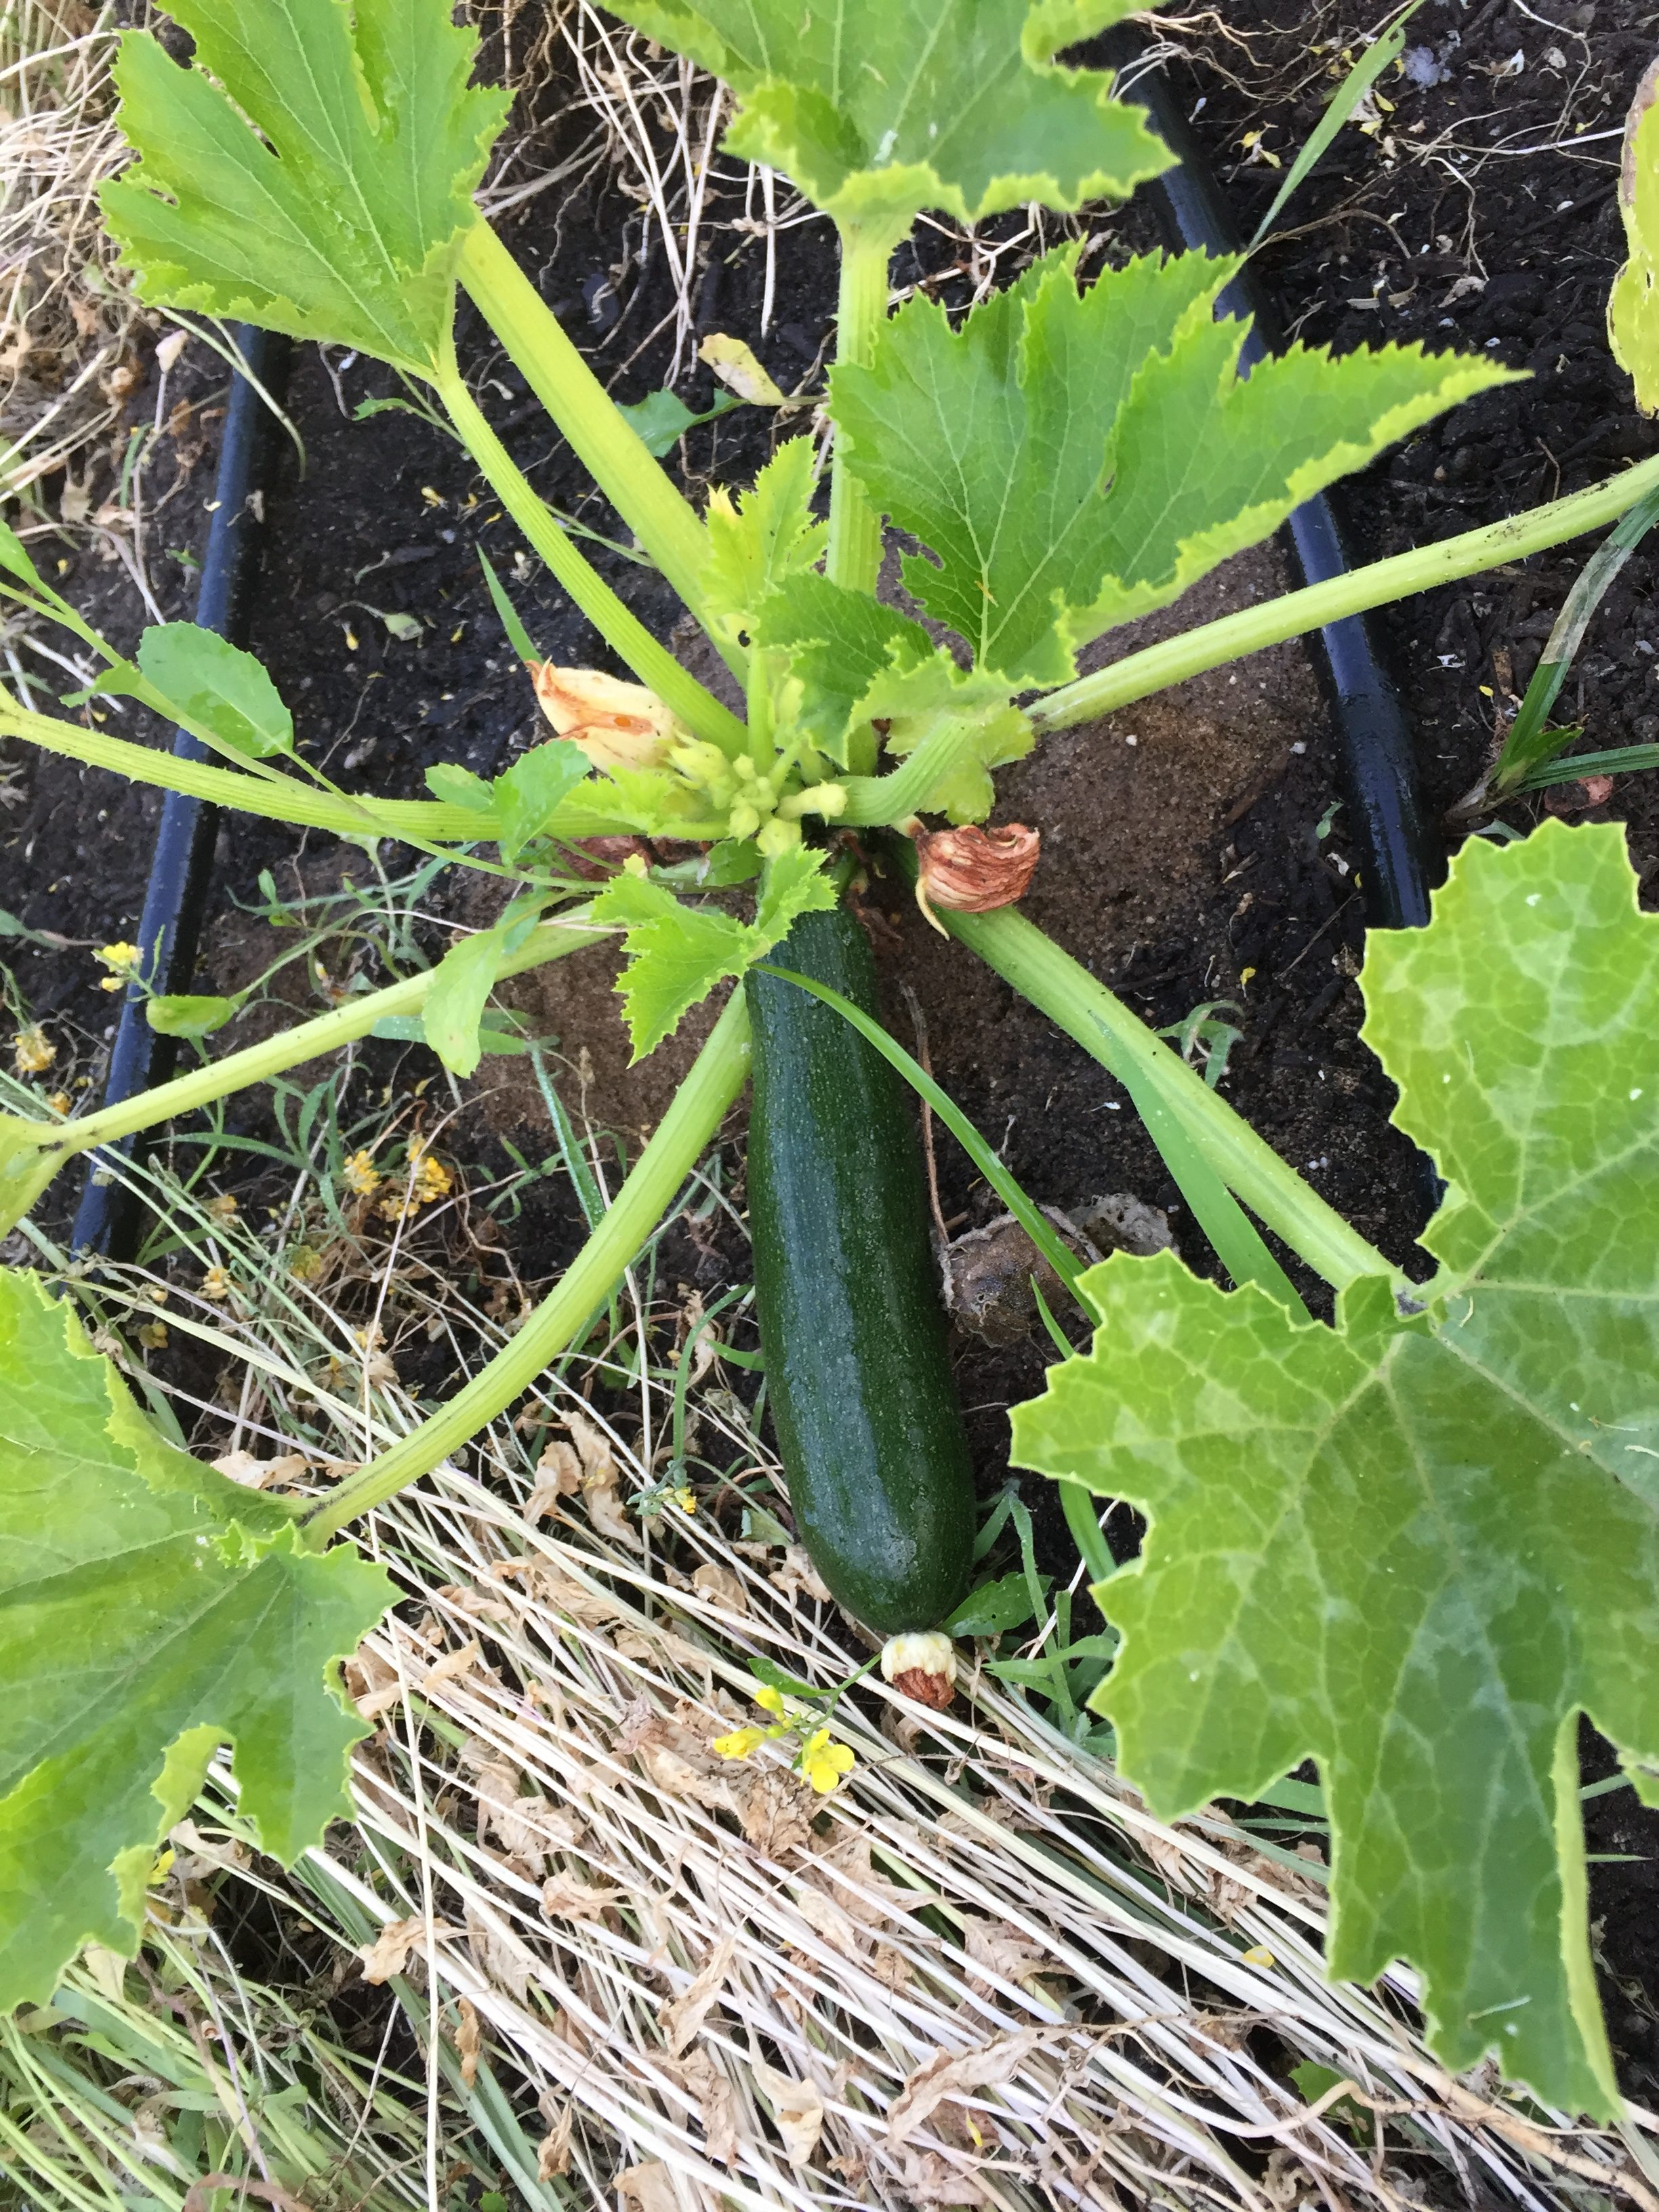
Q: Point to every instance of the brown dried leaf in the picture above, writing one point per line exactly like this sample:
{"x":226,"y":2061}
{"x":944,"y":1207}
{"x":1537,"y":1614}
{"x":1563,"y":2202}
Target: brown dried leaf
{"x":930,"y":2178}
{"x":682,"y":2021}
{"x":566,"y":1897}
{"x":949,"y":2074}
{"x":648,"y":2187}
{"x":469,"y":2040}
{"x":452,"y":1665}
{"x":715,"y":2104}
{"x":553,"y":2157}
{"x":500,"y":1958}
{"x":1000,"y":1948}
{"x":721,"y":1587}
{"x":796,"y":2111}
{"x":388,"y":1954}
{"x":799,"y":1578}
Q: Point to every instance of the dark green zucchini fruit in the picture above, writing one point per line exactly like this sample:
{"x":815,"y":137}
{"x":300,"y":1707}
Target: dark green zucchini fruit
{"x":858,"y":1369}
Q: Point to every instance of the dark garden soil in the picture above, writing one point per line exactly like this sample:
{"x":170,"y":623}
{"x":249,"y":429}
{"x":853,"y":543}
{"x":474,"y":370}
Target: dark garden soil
{"x":1191,"y":849}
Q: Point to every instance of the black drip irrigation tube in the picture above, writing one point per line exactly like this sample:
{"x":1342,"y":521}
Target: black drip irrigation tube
{"x":108,"y":1220}
{"x":1374,"y":751}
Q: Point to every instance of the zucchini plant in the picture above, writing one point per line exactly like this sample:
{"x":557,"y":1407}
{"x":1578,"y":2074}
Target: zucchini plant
{"x":1416,"y":1544}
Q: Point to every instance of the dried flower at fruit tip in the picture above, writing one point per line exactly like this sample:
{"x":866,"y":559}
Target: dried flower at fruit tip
{"x":825,"y":1764}
{"x":921,"y":1665}
{"x":32,"y":1051}
{"x":973,"y":871}
{"x":616,"y":724}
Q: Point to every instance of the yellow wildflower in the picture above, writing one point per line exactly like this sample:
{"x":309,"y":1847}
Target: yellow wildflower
{"x":770,"y":1700}
{"x":216,"y":1283}
{"x":686,"y":1499}
{"x":433,"y":1180}
{"x":304,"y":1263}
{"x":360,"y":1174}
{"x":32,"y":1051}
{"x":222,"y":1207}
{"x":824,"y":1762}
{"x":121,"y":958}
{"x":153,"y":1336}
{"x":60,"y":1102}
{"x":741,"y":1743}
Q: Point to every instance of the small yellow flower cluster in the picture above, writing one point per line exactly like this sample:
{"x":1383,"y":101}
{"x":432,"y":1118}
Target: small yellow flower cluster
{"x":153,"y":1336}
{"x":360,"y":1174}
{"x":32,"y":1050}
{"x":819,"y":1761}
{"x":60,"y":1102}
{"x":216,"y":1283}
{"x":223,"y":1207}
{"x":430,"y":1182}
{"x":122,"y":960}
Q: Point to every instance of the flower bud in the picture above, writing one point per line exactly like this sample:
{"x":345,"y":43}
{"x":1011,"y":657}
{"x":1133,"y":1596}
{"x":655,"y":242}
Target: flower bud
{"x":776,"y":837}
{"x":973,"y":871}
{"x":743,"y":821}
{"x":616,"y":724}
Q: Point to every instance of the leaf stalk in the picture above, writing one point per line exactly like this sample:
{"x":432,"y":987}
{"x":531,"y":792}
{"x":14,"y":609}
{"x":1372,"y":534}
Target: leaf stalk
{"x":699,"y":1107}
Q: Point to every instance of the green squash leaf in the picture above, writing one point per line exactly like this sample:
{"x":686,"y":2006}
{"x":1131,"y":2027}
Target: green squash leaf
{"x":1074,"y":459}
{"x":1417,"y":1546}
{"x":676,"y":954}
{"x":338,"y":214}
{"x":855,"y":660}
{"x":527,"y":796}
{"x":877,"y":110}
{"x":760,"y":537}
{"x":150,"y":1611}
{"x":29,"y":1159}
{"x":191,"y":1014}
{"x":218,"y":685}
{"x":454,"y":1008}
{"x":1633,"y":303}
{"x":662,"y":418}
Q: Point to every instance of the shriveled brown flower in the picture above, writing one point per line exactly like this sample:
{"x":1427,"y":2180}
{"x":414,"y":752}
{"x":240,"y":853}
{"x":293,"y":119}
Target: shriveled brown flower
{"x":971,"y":871}
{"x":616,"y":724}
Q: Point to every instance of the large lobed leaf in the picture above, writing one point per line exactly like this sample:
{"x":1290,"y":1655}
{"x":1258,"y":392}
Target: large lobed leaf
{"x":1418,"y":1545}
{"x":878,"y":108}
{"x":338,"y":216}
{"x":1071,"y":459}
{"x":150,"y":1610}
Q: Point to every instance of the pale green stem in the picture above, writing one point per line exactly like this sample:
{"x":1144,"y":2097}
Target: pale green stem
{"x":654,"y":665}
{"x":640,"y":488}
{"x":298,"y":804}
{"x":1139,"y":674}
{"x":257,"y":1063}
{"x":854,"y":558}
{"x":1088,"y":1012}
{"x":874,"y":800}
{"x":699,"y":1107}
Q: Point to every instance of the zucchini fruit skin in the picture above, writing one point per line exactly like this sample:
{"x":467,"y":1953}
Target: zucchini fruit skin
{"x":858,"y":1367}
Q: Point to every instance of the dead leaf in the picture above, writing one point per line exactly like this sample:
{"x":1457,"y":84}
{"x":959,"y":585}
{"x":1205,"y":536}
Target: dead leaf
{"x":452,"y":1664}
{"x":866,"y":1895}
{"x":683,"y":2019}
{"x":1000,"y":1948}
{"x":241,"y":1467}
{"x":648,"y":2187}
{"x":929,"y":2178}
{"x":371,"y":1683}
{"x":566,"y":1897}
{"x":598,"y":1462}
{"x":739,"y":370}
{"x":776,"y":1811}
{"x":796,"y":2111}
{"x":469,"y":2040}
{"x":721,"y":1587}
{"x":553,"y":2157}
{"x":501,"y":1807}
{"x":949,"y":2076}
{"x":558,"y":1475}
{"x":608,"y":1516}
{"x":799,"y":1578}
{"x":715,"y":2104}
{"x":388,"y":1954}
{"x":498,"y":1956}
